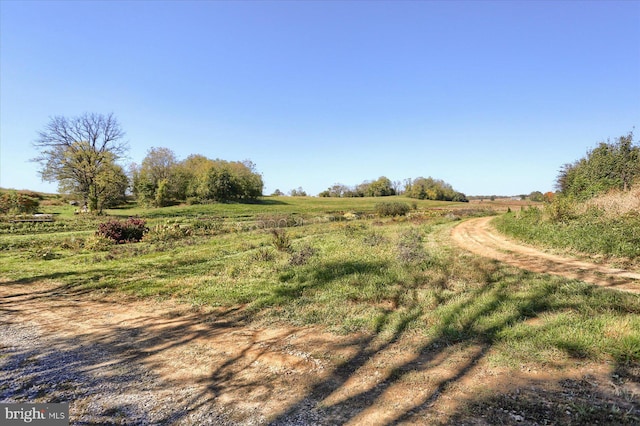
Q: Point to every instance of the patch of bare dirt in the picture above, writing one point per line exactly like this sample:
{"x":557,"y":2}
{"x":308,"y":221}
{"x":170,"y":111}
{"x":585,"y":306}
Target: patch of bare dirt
{"x":479,"y":237}
{"x":121,"y":361}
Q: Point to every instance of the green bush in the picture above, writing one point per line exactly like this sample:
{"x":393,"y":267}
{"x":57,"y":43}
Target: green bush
{"x":98,"y":243}
{"x":17,"y":203}
{"x":590,"y":232}
{"x":562,"y":209}
{"x":392,"y":209}
{"x":166,"y":232}
{"x":280,"y":240}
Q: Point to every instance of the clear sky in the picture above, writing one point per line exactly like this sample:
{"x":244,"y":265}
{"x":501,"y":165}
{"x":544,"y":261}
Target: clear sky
{"x":492,"y":97}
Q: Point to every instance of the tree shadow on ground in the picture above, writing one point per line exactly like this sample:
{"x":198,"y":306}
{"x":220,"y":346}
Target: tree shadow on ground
{"x":126,"y":370}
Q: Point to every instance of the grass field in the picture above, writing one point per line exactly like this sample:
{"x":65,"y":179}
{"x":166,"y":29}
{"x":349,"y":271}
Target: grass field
{"x":331,"y":262}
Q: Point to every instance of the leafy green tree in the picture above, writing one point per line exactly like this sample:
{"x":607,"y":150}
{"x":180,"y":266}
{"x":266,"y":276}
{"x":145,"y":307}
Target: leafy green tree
{"x":536,"y":196}
{"x":611,"y":165}
{"x":108,"y":187}
{"x":381,"y":188}
{"x":220,"y":180}
{"x":158,"y":172}
{"x":74,"y":151}
{"x":299,"y":192}
{"x":112,"y":184}
{"x":433,"y":189}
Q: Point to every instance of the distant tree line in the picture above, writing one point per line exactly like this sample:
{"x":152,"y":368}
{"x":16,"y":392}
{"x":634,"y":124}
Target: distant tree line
{"x":611,"y":165}
{"x":432,"y":189}
{"x":81,"y":154}
{"x":381,"y":187}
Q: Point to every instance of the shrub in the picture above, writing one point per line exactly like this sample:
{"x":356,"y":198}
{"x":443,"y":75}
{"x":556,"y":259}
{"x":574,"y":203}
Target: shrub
{"x":280,"y":240}
{"x":98,"y":243}
{"x":166,"y":232}
{"x":17,"y":203}
{"x":263,"y":254}
{"x":130,"y":231}
{"x":392,"y":209}
{"x":562,"y":209}
{"x":207,"y":225}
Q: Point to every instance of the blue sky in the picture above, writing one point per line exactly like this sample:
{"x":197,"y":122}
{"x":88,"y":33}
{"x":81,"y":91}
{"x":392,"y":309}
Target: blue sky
{"x":492,"y":97}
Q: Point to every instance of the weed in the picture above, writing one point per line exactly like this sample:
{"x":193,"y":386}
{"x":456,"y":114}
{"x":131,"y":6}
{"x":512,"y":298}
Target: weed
{"x":374,"y":238}
{"x":280,"y":240}
{"x":302,"y":256}
{"x":166,"y":232}
{"x":263,"y":254}
{"x":98,"y":243}
{"x":410,"y":249}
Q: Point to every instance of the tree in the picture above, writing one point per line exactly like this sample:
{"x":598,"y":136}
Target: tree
{"x":433,"y":189}
{"x":380,"y":188}
{"x":299,"y":192}
{"x":536,"y":196}
{"x":77,"y":151}
{"x":156,"y":181}
{"x":611,"y":165}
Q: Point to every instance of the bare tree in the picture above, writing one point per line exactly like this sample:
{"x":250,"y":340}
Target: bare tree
{"x":75,"y":152}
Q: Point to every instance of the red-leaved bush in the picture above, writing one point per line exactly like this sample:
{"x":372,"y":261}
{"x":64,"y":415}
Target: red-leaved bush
{"x":130,"y":231}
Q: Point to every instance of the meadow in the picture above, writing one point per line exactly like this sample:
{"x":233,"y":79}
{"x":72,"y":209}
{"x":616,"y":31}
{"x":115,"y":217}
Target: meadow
{"x":336,"y":264}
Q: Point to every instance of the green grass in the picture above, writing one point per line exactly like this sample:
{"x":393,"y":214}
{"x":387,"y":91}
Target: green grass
{"x":388,"y":276}
{"x":303,"y":206}
{"x":590,"y":233}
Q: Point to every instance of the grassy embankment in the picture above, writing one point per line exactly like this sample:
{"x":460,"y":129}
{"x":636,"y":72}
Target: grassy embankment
{"x":604,"y":227}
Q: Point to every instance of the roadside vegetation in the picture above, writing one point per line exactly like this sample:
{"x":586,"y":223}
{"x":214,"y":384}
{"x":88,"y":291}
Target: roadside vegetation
{"x":592,"y":228}
{"x":596,"y":210}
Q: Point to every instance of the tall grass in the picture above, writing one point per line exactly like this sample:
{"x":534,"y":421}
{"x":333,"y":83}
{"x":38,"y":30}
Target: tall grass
{"x":578,"y":227}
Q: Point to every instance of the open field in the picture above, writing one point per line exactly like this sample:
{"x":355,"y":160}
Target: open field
{"x":306,"y":311}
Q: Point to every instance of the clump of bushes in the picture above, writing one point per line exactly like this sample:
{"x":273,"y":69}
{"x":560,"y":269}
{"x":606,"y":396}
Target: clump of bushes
{"x":14,"y":202}
{"x":166,"y":232}
{"x":392,"y":209}
{"x":130,"y":231}
{"x":98,"y":243}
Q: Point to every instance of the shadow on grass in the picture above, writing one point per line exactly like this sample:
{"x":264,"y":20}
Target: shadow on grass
{"x":123,"y":371}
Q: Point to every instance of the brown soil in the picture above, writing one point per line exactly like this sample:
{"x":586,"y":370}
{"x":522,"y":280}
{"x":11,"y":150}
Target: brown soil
{"x":122,"y":361}
{"x":479,"y":237}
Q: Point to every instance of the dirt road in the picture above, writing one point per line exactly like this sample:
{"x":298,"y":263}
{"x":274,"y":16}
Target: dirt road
{"x":479,"y":237}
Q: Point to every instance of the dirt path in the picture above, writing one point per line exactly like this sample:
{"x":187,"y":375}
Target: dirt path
{"x":479,"y":237}
{"x":119,"y":361}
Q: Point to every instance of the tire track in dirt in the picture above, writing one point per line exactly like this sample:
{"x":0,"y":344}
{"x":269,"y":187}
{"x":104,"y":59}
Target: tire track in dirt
{"x":479,"y":237}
